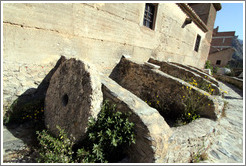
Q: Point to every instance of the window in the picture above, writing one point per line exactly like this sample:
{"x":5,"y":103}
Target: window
{"x":149,"y":15}
{"x":218,"y":62}
{"x":198,"y":39}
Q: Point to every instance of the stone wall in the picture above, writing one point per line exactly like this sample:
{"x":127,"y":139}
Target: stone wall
{"x":37,"y":34}
{"x":223,"y":55}
{"x":74,"y":29}
{"x":19,"y":78}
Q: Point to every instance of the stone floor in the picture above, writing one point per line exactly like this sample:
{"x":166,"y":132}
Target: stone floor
{"x":227,"y":147}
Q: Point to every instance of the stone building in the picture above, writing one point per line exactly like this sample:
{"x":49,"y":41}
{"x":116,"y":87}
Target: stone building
{"x":35,"y":35}
{"x":221,"y":50}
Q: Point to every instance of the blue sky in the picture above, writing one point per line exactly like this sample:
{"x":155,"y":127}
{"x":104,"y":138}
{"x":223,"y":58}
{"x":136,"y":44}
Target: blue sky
{"x":230,"y":18}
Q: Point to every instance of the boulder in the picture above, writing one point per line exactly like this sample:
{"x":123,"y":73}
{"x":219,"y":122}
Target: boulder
{"x":223,"y":71}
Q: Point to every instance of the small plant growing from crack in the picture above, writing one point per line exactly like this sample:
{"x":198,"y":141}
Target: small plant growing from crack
{"x":199,"y":156}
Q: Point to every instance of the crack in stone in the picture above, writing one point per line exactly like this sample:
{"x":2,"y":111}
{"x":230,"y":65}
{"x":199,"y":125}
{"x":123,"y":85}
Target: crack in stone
{"x":24,"y":26}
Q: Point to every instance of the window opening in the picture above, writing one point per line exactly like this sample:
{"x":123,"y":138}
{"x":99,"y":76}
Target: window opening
{"x":198,"y":40}
{"x":218,"y":62}
{"x":149,"y":15}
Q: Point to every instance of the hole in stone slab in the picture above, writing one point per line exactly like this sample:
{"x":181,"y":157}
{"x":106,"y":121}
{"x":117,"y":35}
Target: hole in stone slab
{"x":65,"y":100}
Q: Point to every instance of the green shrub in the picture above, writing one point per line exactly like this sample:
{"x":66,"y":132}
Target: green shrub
{"x":193,"y":103}
{"x":208,"y":66}
{"x":105,"y":141}
{"x":215,"y":69}
{"x":108,"y":136}
{"x":55,"y":150}
{"x":202,"y":85}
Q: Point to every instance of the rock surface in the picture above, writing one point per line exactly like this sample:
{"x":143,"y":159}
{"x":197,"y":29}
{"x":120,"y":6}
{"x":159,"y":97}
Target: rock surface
{"x":228,"y":144}
{"x":74,"y":95}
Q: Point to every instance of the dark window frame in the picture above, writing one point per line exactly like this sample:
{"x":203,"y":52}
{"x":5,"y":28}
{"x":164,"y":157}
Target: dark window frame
{"x":150,"y":12}
{"x":197,"y":44}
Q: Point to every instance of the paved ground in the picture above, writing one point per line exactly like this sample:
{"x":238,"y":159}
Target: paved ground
{"x":228,"y":147}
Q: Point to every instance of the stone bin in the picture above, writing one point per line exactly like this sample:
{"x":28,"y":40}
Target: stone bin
{"x":152,"y":132}
{"x":199,"y":72}
{"x":185,"y":74}
{"x":73,"y":96}
{"x":161,"y":91}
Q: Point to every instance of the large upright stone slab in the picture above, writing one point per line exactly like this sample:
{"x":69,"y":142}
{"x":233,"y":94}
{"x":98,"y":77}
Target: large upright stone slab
{"x":74,"y":95}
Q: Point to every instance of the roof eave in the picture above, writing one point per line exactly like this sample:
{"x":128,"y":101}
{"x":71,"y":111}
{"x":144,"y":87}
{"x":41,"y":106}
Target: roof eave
{"x":192,"y":14}
{"x":217,"y":6}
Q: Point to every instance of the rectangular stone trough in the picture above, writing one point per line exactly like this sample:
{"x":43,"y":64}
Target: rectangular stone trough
{"x":187,"y":75}
{"x":162,"y":91}
{"x":199,"y":72}
{"x":152,"y":132}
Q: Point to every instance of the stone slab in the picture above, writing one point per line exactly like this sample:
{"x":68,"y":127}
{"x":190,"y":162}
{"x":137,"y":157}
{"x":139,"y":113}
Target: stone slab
{"x":74,"y":95}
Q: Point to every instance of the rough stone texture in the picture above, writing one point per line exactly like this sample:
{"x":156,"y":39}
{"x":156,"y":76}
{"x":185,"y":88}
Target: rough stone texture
{"x":18,"y":78}
{"x":74,"y":95}
{"x":228,"y":142}
{"x":189,"y":139}
{"x":184,"y":74}
{"x":153,"y":85}
{"x":152,"y":132}
{"x":26,"y":82}
{"x":199,"y":72}
{"x":192,"y":139}
{"x":223,"y":71}
{"x":231,"y":80}
{"x":34,"y":96}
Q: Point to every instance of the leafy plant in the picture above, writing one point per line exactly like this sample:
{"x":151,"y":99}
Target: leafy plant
{"x":55,"y":150}
{"x":106,"y":139}
{"x":208,"y":66}
{"x":107,"y":136}
{"x":199,"y":156}
{"x":215,"y":69}
{"x":193,"y":103}
{"x":202,"y":85}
